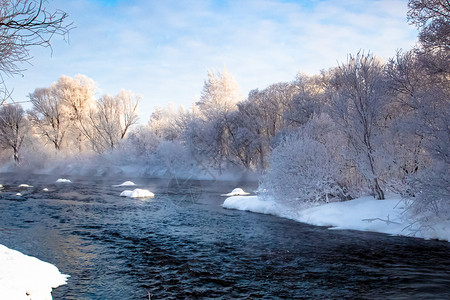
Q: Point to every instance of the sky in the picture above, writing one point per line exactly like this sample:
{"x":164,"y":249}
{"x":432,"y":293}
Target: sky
{"x":162,"y":50}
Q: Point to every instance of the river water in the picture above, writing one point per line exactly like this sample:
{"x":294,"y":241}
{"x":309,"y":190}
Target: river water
{"x":183,"y":245}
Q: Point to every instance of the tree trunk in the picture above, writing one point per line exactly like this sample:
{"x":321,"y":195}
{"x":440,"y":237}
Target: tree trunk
{"x":16,"y":156}
{"x":378,"y":192}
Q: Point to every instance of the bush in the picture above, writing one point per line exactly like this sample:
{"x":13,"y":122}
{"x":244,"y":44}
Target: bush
{"x":301,"y":173}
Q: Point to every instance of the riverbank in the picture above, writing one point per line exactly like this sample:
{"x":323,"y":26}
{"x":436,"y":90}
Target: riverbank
{"x":363,"y":214}
{"x":26,"y":277}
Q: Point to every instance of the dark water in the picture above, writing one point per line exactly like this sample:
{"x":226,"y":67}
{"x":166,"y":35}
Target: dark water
{"x":183,"y":245}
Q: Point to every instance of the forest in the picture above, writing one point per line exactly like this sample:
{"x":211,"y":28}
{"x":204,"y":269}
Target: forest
{"x":365,"y":126}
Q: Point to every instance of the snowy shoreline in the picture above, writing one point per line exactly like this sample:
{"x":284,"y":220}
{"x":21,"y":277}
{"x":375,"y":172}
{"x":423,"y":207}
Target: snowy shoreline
{"x":26,"y":277}
{"x":363,"y":214}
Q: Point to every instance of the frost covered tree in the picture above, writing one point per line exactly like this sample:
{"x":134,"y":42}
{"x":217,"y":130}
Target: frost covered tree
{"x":167,"y":123}
{"x":13,"y":128}
{"x":432,"y":18}
{"x":24,"y":24}
{"x":301,"y":173}
{"x":308,"y":100}
{"x":49,"y":115}
{"x":110,"y":120}
{"x":220,"y":95}
{"x":209,"y":133}
{"x":421,"y":79}
{"x":263,"y":115}
{"x":77,"y":96}
{"x":358,"y":92}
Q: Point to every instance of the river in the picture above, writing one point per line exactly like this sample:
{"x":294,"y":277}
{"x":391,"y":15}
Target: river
{"x":183,"y":245}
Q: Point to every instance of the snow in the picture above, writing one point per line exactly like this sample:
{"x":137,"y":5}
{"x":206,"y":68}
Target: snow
{"x":23,"y":185}
{"x":126,"y":183}
{"x":253,"y":204}
{"x":26,"y":277}
{"x":45,"y":189}
{"x":137,"y":193}
{"x":364,"y":214}
{"x":236,"y":192}
{"x":63,"y":180}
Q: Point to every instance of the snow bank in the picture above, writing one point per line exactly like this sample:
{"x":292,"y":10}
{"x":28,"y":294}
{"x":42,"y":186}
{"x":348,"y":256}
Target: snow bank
{"x":26,"y":277}
{"x":62,"y":180}
{"x":126,"y":183}
{"x":236,"y":192}
{"x":253,"y":204}
{"x":137,"y":193}
{"x":365,"y":214}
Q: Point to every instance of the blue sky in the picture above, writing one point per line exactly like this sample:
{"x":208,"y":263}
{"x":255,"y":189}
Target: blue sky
{"x":162,"y":50}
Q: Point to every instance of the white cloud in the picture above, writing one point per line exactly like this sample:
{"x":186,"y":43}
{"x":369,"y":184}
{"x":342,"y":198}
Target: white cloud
{"x":162,"y":49}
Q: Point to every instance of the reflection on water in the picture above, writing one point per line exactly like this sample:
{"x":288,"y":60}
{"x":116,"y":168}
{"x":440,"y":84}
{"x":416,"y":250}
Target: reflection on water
{"x":182,"y":244}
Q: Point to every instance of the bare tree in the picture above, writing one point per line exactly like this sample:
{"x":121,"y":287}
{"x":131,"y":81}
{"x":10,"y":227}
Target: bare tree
{"x":12,"y":128}
{"x":23,"y":24}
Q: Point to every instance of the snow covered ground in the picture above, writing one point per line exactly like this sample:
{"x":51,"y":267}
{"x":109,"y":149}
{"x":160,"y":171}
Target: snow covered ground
{"x":365,"y":214}
{"x":26,"y":277}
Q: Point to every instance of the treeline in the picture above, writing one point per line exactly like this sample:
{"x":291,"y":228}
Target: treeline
{"x":66,"y":117}
{"x":365,"y":126}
